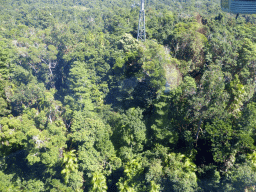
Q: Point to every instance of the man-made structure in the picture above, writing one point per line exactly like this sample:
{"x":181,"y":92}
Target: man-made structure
{"x":141,"y":27}
{"x":239,"y":6}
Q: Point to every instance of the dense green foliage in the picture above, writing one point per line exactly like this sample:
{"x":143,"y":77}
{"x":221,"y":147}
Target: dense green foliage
{"x":84,"y":106}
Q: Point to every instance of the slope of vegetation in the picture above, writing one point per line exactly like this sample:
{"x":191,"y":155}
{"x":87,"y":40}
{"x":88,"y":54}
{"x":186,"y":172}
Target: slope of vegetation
{"x":84,"y":106}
